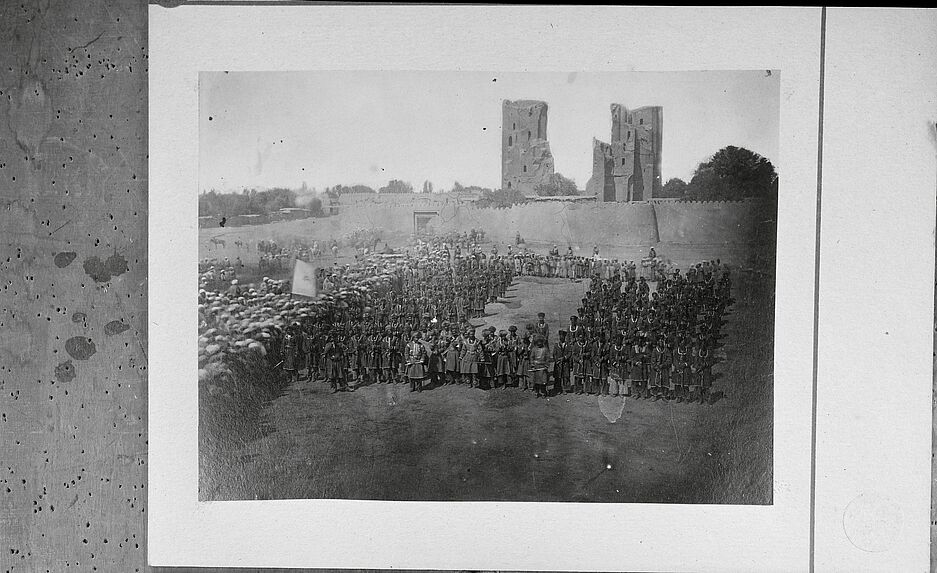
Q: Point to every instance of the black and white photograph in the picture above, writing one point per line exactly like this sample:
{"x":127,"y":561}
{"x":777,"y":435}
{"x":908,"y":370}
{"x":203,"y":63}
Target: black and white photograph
{"x":487,"y":286}
{"x":319,"y":286}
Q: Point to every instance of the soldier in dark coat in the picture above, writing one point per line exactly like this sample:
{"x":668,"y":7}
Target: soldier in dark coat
{"x":387,"y":347}
{"x":292,"y":351}
{"x":334,"y":359}
{"x":309,"y":348}
{"x":684,"y":383}
{"x":398,"y":355}
{"x":574,"y":328}
{"x":599,"y":373}
{"x":542,"y":329}
{"x":485,"y":354}
{"x":453,"y":348}
{"x":703,"y":372}
{"x":503,"y":369}
{"x":362,"y":354}
{"x":416,"y":362}
{"x":618,"y":356}
{"x":580,"y":361}
{"x":469,"y":358}
{"x":373,"y":349}
{"x":659,"y":374}
{"x":561,"y":354}
{"x":639,"y":367}
{"x":435,"y":366}
{"x":539,"y":359}
{"x":351,"y":357}
{"x":522,"y":371}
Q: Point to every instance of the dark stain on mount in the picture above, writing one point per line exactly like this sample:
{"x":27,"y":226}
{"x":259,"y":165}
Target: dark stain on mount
{"x":115,"y":327}
{"x":80,"y":348}
{"x":65,"y":371}
{"x":102,"y":271}
{"x":62,"y":260}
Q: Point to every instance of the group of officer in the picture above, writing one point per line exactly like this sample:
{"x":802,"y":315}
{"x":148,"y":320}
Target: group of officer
{"x":660,"y":345}
{"x":626,"y":338}
{"x":399,"y":335}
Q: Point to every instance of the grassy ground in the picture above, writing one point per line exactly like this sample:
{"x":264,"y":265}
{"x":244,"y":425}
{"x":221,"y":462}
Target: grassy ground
{"x":269,"y":440}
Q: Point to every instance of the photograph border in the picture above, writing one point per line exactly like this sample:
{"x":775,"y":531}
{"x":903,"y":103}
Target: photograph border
{"x":471,"y":535}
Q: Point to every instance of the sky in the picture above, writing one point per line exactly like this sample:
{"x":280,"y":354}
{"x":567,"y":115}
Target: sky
{"x":281,"y":129}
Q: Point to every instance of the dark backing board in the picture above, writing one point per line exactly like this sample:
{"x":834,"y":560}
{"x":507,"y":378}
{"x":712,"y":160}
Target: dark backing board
{"x":73,"y":223}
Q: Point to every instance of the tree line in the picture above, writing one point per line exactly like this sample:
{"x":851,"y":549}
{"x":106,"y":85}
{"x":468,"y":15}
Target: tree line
{"x":731,"y":174}
{"x":254,"y":202}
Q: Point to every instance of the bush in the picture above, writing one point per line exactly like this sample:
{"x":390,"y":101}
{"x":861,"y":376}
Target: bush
{"x":557,"y":186}
{"x":733,"y":174}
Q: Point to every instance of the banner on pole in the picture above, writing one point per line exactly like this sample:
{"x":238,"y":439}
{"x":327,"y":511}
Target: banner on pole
{"x":304,"y":279}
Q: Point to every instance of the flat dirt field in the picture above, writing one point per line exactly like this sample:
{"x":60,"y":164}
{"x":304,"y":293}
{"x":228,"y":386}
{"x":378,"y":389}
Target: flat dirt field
{"x":454,"y":443}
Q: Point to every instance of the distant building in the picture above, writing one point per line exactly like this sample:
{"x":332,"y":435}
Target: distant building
{"x":628,"y":168}
{"x":526,"y":160}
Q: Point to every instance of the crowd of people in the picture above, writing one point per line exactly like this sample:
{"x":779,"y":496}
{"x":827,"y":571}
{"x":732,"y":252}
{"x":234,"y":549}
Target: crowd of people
{"x":408,"y":319}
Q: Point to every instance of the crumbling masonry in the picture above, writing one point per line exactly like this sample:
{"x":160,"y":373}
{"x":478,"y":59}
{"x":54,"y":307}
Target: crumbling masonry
{"x":526,"y":160}
{"x":628,"y":168}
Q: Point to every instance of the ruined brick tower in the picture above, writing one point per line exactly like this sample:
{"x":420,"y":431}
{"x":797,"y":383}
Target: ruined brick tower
{"x":628,"y":168}
{"x":526,"y":160}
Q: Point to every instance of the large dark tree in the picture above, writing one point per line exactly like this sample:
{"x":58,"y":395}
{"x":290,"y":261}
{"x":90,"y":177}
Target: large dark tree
{"x":674,"y":188}
{"x":247,"y":202}
{"x":556,"y":186}
{"x":732,"y":174}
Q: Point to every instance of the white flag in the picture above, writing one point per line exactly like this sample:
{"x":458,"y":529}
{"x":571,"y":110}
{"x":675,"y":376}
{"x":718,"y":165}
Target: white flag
{"x":304,"y":279}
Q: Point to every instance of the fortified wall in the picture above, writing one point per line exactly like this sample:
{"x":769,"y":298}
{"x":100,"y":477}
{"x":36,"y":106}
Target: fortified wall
{"x":619,"y":224}
{"x":557,"y":222}
{"x":710,"y":222}
{"x":635,"y":223}
{"x":626,"y":224}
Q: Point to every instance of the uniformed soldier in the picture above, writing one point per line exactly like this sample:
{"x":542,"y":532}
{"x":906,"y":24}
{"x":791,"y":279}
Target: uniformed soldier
{"x":561,"y":354}
{"x":308,"y":334}
{"x":579,"y":361}
{"x":416,"y":362}
{"x":292,"y":351}
{"x":351,"y":358}
{"x":523,"y":358}
{"x":599,"y":375}
{"x":659,"y":374}
{"x":503,"y":367}
{"x":618,"y":367}
{"x":685,"y":384}
{"x":639,"y":366}
{"x":435,"y":366}
{"x":542,"y":329}
{"x":469,"y":358}
{"x":335,"y":355}
{"x":539,"y":359}
{"x":453,"y":349}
